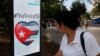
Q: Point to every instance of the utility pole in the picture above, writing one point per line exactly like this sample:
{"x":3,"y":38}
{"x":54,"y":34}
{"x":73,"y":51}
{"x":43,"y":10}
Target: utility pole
{"x":61,"y":2}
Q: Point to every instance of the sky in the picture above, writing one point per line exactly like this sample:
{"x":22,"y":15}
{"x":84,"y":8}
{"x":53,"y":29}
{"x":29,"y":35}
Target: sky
{"x":88,"y":5}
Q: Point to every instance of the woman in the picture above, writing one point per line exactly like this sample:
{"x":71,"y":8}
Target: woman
{"x":68,"y":23}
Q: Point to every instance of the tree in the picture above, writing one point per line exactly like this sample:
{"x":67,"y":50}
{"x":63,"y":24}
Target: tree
{"x":5,"y":14}
{"x":94,"y":2}
{"x":49,"y":7}
{"x":96,"y":10}
{"x":86,"y":16}
{"x":80,"y":7}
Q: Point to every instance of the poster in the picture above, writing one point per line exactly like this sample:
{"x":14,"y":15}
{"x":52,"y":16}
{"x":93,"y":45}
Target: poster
{"x":26,"y":27}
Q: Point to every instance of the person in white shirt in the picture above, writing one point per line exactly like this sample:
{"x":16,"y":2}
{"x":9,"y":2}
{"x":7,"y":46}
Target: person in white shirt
{"x":68,"y":23}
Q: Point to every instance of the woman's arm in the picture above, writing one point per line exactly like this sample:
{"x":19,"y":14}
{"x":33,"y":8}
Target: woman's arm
{"x":92,"y":46}
{"x":59,"y":53}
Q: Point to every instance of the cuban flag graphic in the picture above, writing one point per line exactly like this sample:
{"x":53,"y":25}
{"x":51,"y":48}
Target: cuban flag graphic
{"x":25,"y":30}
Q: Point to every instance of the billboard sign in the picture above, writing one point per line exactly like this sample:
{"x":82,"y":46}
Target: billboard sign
{"x":26,"y":27}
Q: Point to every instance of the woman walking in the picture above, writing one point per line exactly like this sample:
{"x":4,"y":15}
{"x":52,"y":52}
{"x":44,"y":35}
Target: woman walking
{"x":68,"y":23}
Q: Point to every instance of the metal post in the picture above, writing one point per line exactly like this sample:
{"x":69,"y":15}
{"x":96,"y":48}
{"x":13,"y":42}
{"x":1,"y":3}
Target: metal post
{"x":62,"y":4}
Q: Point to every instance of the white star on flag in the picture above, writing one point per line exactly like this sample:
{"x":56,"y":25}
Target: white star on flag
{"x":21,"y":34}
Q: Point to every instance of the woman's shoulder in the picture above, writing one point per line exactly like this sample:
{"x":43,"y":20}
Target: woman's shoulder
{"x":88,"y":36}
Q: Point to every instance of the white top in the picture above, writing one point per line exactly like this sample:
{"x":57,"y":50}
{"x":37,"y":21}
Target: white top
{"x":75,"y":49}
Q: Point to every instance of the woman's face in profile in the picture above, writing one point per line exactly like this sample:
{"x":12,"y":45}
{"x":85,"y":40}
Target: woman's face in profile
{"x":60,"y":27}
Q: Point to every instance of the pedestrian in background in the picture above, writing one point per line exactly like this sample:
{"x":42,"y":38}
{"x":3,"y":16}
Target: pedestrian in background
{"x":86,"y":25}
{"x":68,"y":23}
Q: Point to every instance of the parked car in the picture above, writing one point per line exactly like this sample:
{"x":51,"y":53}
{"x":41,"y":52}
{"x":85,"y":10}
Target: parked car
{"x":96,"y":21}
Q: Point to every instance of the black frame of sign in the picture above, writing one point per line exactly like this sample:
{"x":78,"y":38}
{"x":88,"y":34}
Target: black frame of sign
{"x":12,"y":31}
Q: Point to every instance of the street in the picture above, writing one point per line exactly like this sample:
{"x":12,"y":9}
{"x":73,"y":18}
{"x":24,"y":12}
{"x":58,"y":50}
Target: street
{"x":55,"y":36}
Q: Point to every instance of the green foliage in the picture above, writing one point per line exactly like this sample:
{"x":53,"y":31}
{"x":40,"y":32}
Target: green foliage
{"x":49,"y":7}
{"x":5,"y":8}
{"x":5,"y":15}
{"x":86,"y":16}
{"x":96,"y":10}
{"x":79,"y":6}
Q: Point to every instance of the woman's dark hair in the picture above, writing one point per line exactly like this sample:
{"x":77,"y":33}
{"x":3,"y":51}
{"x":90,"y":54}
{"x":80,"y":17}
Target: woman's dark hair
{"x":68,"y":18}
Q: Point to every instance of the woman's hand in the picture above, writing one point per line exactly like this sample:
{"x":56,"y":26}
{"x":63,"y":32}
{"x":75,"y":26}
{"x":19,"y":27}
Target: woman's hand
{"x":59,"y":53}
